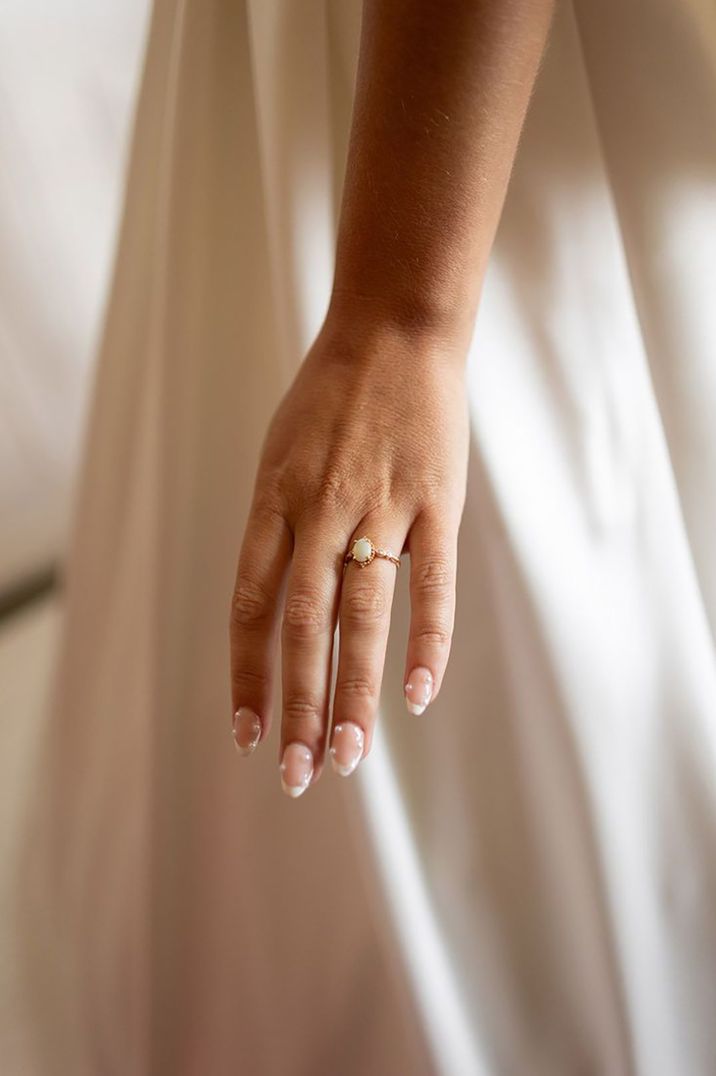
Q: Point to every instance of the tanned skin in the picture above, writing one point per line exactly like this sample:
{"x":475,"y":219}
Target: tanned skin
{"x":372,"y":437}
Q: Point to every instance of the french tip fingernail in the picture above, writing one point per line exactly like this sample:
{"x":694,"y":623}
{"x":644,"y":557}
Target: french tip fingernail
{"x":296,"y":769}
{"x":346,"y":750}
{"x":246,"y":730}
{"x":419,"y":690}
{"x":294,"y":791}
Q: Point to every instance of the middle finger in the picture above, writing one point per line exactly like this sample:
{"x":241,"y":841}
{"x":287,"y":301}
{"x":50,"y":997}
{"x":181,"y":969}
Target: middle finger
{"x":309,"y":620}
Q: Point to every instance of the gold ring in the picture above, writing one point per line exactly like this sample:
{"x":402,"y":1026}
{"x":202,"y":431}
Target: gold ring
{"x":363,"y":551}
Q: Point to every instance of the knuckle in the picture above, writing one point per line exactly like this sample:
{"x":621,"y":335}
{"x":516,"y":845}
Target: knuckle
{"x":300,"y":708}
{"x":432,"y":635}
{"x":247,"y":682}
{"x":433,"y":579}
{"x":364,"y":604}
{"x":250,"y":606}
{"x":358,"y":687}
{"x":305,"y":615}
{"x":336,"y":490}
{"x":267,"y":507}
{"x":331,"y":494}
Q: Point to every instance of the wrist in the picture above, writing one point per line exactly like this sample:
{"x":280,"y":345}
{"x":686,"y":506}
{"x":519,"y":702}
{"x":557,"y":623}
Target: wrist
{"x":370,"y":319}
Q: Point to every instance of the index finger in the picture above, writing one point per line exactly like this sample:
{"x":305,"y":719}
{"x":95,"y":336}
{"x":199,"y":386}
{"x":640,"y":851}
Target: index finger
{"x":255,"y":606}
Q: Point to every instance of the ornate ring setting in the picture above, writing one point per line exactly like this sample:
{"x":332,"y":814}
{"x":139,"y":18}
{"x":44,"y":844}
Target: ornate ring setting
{"x":363,"y":552}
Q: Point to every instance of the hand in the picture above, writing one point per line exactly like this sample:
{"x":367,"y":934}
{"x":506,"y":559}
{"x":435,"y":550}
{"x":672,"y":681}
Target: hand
{"x":371,"y":439}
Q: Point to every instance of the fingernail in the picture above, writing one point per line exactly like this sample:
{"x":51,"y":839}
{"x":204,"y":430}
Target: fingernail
{"x":346,"y":749}
{"x":418,"y":690}
{"x":247,"y":730}
{"x":296,"y":769}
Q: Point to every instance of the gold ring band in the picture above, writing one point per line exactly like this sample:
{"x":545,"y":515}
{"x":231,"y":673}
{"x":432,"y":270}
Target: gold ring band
{"x":363,"y":552}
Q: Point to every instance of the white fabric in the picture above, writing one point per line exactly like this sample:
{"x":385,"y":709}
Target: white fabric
{"x":67,"y":78}
{"x":523,"y":882}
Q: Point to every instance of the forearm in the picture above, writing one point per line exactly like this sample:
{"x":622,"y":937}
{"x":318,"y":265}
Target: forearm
{"x":442,"y":90}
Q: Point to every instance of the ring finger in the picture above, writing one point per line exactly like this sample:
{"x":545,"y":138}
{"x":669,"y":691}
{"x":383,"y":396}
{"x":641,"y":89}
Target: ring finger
{"x":364,"y":620}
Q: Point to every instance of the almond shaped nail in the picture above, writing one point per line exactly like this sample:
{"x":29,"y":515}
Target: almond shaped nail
{"x":346,"y":750}
{"x":419,"y":690}
{"x":296,"y":769}
{"x":247,"y":730}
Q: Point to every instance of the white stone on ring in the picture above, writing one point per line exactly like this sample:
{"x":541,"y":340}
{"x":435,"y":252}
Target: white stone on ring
{"x":363,"y":550}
